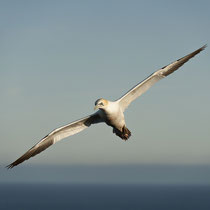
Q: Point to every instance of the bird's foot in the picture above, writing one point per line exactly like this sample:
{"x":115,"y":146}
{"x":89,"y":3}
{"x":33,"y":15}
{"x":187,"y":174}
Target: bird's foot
{"x":124,"y":134}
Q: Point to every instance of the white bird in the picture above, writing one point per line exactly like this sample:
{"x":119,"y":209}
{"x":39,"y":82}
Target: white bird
{"x":110,"y":112}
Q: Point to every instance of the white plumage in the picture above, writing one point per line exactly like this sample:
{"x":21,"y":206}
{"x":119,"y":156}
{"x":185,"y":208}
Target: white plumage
{"x":109,"y":112}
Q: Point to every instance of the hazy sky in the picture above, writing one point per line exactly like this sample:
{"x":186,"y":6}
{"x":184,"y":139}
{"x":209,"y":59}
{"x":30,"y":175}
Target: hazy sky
{"x":58,"y":57}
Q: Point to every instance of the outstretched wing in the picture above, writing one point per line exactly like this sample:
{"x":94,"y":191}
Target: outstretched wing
{"x":143,"y":86}
{"x":56,"y":135}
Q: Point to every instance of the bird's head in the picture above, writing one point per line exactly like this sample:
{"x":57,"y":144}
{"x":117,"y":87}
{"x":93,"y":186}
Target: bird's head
{"x":101,"y":104}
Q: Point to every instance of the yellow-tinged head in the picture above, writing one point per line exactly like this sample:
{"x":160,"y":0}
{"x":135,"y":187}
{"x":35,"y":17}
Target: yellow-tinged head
{"x":101,"y":103}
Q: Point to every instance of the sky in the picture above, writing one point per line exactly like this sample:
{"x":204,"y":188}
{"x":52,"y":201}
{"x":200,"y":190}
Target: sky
{"x":58,"y":57}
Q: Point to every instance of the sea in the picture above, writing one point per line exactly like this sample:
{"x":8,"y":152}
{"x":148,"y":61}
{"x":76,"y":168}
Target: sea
{"x":104,"y":197}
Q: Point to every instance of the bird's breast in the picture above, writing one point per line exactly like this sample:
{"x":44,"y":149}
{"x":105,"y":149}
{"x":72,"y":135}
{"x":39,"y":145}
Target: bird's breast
{"x":114,"y":118}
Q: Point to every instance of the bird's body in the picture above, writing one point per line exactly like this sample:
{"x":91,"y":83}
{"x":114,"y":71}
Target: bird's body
{"x":110,"y":112}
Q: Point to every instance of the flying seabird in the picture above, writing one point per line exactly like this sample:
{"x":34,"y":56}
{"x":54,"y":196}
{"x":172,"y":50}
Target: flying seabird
{"x":110,"y":112}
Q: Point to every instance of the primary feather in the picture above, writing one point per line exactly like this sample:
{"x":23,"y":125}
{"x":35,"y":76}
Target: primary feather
{"x":56,"y":135}
{"x":143,"y":86}
{"x":109,"y":112}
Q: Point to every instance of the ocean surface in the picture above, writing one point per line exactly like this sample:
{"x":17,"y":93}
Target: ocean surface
{"x":103,"y":197}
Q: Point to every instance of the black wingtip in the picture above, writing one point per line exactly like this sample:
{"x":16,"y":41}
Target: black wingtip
{"x":204,"y":46}
{"x":201,"y":49}
{"x":9,"y":166}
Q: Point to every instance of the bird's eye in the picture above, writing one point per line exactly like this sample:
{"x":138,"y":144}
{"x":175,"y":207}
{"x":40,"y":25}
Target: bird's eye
{"x":101,"y":103}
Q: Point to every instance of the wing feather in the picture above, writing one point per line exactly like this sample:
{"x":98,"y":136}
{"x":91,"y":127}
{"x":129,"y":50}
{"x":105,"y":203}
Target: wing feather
{"x":56,"y":135}
{"x":143,"y":86}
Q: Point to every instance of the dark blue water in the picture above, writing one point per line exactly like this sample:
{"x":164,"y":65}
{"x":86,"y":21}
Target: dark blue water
{"x":103,"y":197}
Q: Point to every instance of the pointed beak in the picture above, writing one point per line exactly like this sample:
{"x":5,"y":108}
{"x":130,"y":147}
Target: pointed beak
{"x":96,"y":107}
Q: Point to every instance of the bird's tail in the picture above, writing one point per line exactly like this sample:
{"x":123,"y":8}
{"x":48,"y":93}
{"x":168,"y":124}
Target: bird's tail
{"x":124,"y":134}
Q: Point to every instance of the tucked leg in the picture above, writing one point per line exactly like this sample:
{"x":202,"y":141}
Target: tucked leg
{"x":124,"y":134}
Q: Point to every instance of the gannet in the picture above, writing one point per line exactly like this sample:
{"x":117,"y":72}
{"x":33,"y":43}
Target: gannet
{"x":109,"y":112}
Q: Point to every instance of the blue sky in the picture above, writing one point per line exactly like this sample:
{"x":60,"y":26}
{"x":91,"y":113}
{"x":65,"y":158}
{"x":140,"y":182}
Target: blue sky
{"x":58,"y":57}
